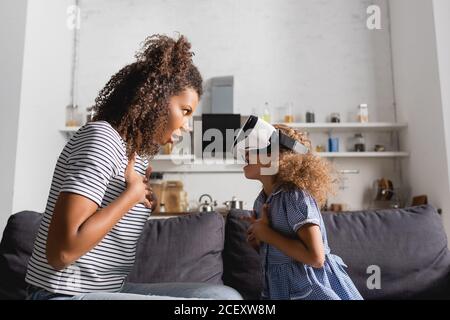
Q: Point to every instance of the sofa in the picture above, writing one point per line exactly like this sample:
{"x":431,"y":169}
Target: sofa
{"x":391,"y":254}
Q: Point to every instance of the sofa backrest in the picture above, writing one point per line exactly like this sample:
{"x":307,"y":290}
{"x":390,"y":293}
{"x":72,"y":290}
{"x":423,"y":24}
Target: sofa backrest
{"x":184,"y":249}
{"x":15,"y":251}
{"x":407,"y":246}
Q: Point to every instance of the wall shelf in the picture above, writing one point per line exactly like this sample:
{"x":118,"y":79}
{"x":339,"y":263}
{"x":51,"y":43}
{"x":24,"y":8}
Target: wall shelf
{"x":384,"y":154}
{"x":174,"y":157}
{"x":196,"y":166}
{"x":348,"y":126}
{"x":188,"y":163}
{"x":70,"y":129}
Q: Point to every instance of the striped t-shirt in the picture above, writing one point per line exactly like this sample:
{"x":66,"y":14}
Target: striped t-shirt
{"x":92,"y":164}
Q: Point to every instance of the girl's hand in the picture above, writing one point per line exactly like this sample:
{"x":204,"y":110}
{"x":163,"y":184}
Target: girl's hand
{"x":136,"y":185}
{"x":260,"y":228}
{"x":250,"y":238}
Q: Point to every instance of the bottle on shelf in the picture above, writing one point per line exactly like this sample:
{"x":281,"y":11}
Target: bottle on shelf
{"x":333,"y":144}
{"x":90,"y":114}
{"x":363,"y":113}
{"x":359,"y":143}
{"x":73,"y":116}
{"x":266,"y":114}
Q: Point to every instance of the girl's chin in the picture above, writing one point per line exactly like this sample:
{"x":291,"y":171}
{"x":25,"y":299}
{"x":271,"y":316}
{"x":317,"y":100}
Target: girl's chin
{"x":248,"y":174}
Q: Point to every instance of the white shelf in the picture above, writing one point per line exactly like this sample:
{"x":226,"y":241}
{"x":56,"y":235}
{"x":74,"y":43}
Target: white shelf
{"x":70,"y":129}
{"x":208,"y":166}
{"x":187,"y":163}
{"x":348,"y":126}
{"x":166,"y":157}
{"x":384,"y":154}
{"x":196,"y":166}
{"x":326,"y":126}
{"x":75,"y":129}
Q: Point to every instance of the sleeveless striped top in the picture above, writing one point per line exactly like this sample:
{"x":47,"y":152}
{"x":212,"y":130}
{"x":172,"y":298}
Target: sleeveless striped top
{"x":92,"y":164}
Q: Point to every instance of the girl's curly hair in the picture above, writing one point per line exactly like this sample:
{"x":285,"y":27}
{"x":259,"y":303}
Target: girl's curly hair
{"x":135,"y":100}
{"x":307,"y":171}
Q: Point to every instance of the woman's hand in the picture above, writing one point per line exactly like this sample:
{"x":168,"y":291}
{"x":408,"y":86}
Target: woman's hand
{"x":137,"y":185}
{"x":260,"y":228}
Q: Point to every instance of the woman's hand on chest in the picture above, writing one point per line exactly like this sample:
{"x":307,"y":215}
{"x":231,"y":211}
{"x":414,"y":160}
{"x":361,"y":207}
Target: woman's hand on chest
{"x":137,"y":186}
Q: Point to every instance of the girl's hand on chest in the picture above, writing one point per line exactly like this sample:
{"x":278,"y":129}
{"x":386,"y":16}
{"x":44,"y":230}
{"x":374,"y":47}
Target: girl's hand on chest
{"x":260,"y":228}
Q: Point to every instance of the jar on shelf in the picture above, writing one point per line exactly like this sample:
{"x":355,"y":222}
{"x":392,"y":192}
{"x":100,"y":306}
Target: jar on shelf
{"x":73,"y":116}
{"x":310,"y":117}
{"x":284,"y":113}
{"x":359,"y":143}
{"x":335,"y":117}
{"x":167,"y":148}
{"x":289,"y":113}
{"x":157,"y":184}
{"x":320,"y":148}
{"x":363,"y":113}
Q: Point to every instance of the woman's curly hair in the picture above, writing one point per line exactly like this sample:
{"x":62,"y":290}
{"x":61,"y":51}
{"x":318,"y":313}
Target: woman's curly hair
{"x":135,"y":100}
{"x":308,"y":172}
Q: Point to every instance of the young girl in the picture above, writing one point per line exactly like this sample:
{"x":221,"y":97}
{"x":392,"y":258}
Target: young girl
{"x":289,"y":231}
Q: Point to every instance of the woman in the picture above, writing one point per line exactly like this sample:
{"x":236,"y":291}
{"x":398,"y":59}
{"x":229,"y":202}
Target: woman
{"x":99,"y":199}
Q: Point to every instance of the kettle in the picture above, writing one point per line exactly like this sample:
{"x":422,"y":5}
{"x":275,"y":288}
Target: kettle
{"x":234,"y":204}
{"x":206,"y":206}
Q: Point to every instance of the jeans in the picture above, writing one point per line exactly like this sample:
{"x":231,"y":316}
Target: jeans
{"x":146,"y":291}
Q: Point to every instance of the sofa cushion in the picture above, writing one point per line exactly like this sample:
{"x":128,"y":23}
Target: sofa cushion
{"x":242,"y":268}
{"x":408,"y":245}
{"x":15,"y":250}
{"x":183,"y":249}
{"x":169,"y":250}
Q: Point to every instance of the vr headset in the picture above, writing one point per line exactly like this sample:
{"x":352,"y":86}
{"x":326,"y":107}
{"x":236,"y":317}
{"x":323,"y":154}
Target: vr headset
{"x":258,"y":136}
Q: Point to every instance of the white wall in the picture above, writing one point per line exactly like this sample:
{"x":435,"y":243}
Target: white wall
{"x":318,"y":54}
{"x":45,"y":93}
{"x":420,"y":96}
{"x":442,"y":27}
{"x":12,"y":37}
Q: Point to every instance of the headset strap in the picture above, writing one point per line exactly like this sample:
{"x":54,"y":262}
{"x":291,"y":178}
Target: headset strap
{"x":292,"y":144}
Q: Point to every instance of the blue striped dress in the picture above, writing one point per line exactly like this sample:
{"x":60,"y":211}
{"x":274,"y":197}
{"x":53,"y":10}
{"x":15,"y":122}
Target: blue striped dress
{"x":287,"y":279}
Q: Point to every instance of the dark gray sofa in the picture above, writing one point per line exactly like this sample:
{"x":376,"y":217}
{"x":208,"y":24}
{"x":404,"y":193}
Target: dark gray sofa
{"x":409,"y":246}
